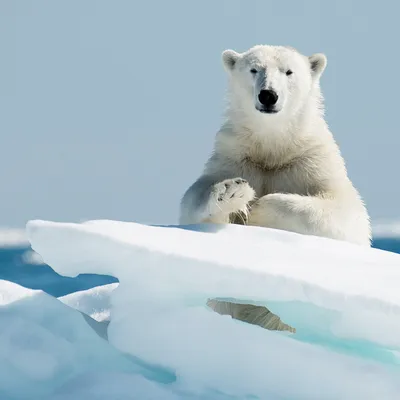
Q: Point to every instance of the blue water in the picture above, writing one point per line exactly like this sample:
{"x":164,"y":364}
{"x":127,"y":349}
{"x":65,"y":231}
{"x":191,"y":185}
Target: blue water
{"x":16,"y":268}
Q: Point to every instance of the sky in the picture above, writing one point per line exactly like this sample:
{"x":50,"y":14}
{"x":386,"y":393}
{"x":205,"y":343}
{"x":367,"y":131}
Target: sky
{"x":108,"y":109}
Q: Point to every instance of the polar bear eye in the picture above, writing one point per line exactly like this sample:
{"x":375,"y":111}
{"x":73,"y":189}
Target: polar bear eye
{"x":253,"y":71}
{"x":289,"y":72}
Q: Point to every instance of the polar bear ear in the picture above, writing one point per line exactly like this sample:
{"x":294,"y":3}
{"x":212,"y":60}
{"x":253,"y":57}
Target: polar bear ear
{"x":229,"y":58}
{"x":317,"y":64}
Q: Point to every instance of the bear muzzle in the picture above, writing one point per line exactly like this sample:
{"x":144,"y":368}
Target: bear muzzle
{"x":268,"y":99}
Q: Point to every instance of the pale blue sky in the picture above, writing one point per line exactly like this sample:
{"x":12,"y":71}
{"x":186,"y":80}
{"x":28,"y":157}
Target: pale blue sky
{"x":109,"y":108}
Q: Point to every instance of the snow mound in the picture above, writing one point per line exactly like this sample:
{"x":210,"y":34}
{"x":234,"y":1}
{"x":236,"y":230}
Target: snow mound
{"x":46,"y":347}
{"x":342,"y":299}
{"x":94,"y":302}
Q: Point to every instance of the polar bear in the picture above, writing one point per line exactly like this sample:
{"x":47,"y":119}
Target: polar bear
{"x":275,"y":162}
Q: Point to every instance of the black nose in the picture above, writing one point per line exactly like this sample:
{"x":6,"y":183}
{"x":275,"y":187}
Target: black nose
{"x":268,"y":98}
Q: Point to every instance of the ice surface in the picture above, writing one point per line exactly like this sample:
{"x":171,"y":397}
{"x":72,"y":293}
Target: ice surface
{"x":343,"y":300}
{"x":94,"y":302}
{"x":40,"y":341}
{"x":49,"y":350}
{"x":110,"y":386}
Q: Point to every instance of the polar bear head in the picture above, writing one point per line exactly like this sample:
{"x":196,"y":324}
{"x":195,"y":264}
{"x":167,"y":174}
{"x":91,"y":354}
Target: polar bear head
{"x":273,"y":80}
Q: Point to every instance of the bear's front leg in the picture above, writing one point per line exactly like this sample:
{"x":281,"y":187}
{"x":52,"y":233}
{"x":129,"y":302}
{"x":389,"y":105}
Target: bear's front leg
{"x":215,"y":202}
{"x":309,"y":215}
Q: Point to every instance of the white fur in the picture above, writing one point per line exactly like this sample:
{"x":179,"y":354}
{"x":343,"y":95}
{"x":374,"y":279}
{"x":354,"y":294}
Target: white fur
{"x":296,"y":178}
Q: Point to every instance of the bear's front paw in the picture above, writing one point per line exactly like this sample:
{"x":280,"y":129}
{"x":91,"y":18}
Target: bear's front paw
{"x":230,"y":196}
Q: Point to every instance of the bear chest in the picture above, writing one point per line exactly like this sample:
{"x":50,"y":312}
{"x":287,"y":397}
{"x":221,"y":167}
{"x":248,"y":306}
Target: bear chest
{"x":290,"y":179}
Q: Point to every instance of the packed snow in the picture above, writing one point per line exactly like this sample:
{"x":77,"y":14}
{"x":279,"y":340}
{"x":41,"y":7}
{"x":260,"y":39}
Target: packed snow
{"x":162,"y":341}
{"x":151,"y":336}
{"x":45,"y":344}
{"x":92,"y":302}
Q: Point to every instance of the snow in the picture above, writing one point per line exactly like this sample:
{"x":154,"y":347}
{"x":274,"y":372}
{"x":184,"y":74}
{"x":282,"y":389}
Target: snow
{"x":94,"y":302}
{"x":151,"y":335}
{"x":44,"y":343}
